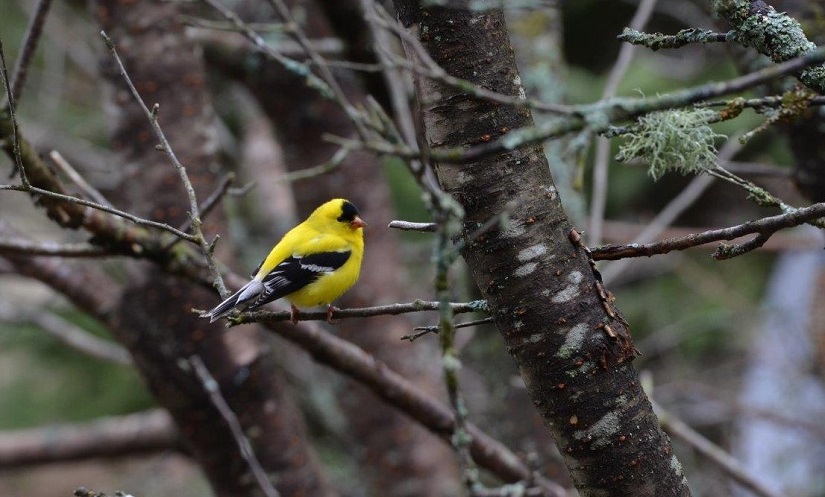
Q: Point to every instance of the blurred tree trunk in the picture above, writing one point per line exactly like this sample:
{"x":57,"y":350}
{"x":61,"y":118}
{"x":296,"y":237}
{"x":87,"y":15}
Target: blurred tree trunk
{"x":400,"y":457}
{"x":154,"y":318}
{"x":540,"y":287}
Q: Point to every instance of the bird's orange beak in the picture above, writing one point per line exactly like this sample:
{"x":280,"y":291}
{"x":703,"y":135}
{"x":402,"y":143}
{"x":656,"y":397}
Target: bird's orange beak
{"x":357,"y":223}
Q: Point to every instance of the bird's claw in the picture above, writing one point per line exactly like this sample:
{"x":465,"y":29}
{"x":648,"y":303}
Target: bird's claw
{"x":330,"y":309}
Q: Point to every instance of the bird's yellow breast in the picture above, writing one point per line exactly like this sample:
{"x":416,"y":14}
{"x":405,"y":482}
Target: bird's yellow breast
{"x":330,"y":286}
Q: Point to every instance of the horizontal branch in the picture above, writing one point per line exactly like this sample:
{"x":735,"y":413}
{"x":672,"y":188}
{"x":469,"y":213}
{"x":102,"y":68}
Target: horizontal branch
{"x":657,"y":41}
{"x":763,"y":228}
{"x":33,"y":190}
{"x":19,"y":246}
{"x":128,"y":435}
{"x":413,"y":226}
{"x":361,"y":312}
{"x":69,"y":334}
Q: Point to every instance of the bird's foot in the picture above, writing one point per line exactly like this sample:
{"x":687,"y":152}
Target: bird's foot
{"x":330,"y":309}
{"x":294,"y":315}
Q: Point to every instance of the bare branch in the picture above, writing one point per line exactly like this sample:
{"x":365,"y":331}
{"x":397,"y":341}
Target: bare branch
{"x":71,"y":335}
{"x":338,"y":93}
{"x":619,"y":109}
{"x":223,"y":188}
{"x":311,"y":172}
{"x":94,"y":205}
{"x":289,"y":64}
{"x":78,"y":180}
{"x":763,"y":227}
{"x":15,"y":129}
{"x":148,"y":431}
{"x":432,"y":70}
{"x":212,"y":388}
{"x":21,"y":246}
{"x":349,"y":359}
{"x":712,"y":452}
{"x":30,"y":40}
{"x":426,"y":330}
{"x":600,"y":170}
{"x":363,"y":312}
{"x":413,"y":226}
{"x":194,"y":212}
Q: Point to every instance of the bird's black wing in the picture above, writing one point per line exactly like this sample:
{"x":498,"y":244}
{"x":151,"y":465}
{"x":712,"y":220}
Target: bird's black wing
{"x":296,"y":272}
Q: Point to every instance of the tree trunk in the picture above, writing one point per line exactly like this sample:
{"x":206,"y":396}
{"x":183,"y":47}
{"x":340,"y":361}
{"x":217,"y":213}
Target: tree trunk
{"x":570,"y":342}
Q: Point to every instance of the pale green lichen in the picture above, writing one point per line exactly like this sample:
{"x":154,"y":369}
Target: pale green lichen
{"x":776,"y":34}
{"x":678,"y":139}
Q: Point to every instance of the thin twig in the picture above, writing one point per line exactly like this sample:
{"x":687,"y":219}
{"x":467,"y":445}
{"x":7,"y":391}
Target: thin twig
{"x":315,"y":171}
{"x":728,"y":464}
{"x":445,"y":256}
{"x":94,"y":205}
{"x":291,"y":65}
{"x":78,"y":179}
{"x":212,"y":388}
{"x":602,"y":160}
{"x":433,"y":70}
{"x":30,"y":41}
{"x":757,"y":169}
{"x":426,"y":330}
{"x":338,"y":93}
{"x":396,"y":84}
{"x":194,"y":214}
{"x":15,"y":130}
{"x":206,"y":207}
{"x":619,"y":232}
{"x":400,"y":98}
{"x":758,"y":103}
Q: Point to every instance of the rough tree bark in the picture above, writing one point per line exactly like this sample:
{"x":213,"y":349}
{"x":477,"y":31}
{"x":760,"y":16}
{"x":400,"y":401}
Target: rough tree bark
{"x":154,"y":318}
{"x":570,"y":342}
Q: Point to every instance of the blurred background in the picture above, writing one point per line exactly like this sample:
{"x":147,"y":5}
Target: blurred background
{"x":734,"y":348}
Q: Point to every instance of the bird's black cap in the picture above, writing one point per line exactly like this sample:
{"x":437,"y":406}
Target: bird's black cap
{"x":348,"y":212}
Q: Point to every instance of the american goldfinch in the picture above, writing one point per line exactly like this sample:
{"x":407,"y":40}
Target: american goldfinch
{"x":313,"y":264}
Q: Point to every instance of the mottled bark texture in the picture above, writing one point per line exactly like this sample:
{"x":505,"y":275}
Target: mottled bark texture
{"x":806,"y":134}
{"x":398,"y":457}
{"x":767,"y":29}
{"x":571,"y":345}
{"x":154,"y":318}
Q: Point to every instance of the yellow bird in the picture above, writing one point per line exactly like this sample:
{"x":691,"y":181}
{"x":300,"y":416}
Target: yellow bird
{"x":313,"y":264}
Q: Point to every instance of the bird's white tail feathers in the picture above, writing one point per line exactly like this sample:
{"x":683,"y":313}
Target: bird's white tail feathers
{"x":237,"y":300}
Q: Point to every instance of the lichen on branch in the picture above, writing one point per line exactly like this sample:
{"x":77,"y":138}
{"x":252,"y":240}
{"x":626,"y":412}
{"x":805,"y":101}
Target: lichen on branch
{"x":678,"y":139}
